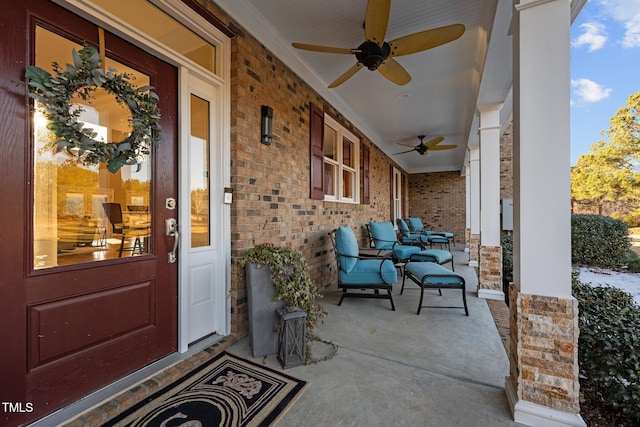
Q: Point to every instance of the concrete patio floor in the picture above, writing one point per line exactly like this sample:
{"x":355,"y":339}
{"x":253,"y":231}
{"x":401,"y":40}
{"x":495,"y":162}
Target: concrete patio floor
{"x":439,"y":368}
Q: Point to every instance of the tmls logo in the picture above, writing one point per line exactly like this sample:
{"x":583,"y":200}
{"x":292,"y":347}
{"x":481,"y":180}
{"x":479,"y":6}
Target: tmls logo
{"x":17,"y":407}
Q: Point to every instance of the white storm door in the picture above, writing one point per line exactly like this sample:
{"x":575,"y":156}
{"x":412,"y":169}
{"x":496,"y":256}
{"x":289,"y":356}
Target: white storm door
{"x":202,"y":258}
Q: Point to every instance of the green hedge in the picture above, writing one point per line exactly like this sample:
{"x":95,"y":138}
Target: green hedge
{"x":599,"y":241}
{"x":609,"y":345}
{"x":506,"y":241}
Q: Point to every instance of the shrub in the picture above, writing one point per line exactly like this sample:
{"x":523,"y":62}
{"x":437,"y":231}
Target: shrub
{"x":599,"y":241}
{"x":609,"y":345}
{"x":633,"y":263}
{"x":506,"y":241}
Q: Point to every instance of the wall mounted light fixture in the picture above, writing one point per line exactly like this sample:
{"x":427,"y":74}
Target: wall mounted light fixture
{"x":266,"y":125}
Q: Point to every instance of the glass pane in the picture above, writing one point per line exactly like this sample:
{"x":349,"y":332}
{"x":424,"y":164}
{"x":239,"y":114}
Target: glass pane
{"x":347,"y":184}
{"x":347,"y":153}
{"x":199,"y":167}
{"x":85,"y":213}
{"x":330,"y":143}
{"x":330,"y":179}
{"x":146,"y":17}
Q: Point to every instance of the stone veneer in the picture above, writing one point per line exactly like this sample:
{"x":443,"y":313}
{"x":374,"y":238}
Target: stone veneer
{"x":467,"y":238}
{"x":490,"y":276}
{"x":474,"y":249}
{"x":544,"y":350}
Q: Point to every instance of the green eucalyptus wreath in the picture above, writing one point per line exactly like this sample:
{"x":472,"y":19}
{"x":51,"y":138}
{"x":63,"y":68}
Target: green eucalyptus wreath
{"x":55,"y":92}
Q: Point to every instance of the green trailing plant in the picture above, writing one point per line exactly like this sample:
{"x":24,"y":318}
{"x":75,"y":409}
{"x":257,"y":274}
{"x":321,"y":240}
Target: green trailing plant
{"x":290,"y":276}
{"x":609,"y":346}
{"x":599,"y":241}
{"x":55,"y":93}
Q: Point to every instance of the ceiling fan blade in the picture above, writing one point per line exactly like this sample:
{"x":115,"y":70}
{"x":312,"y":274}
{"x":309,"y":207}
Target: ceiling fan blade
{"x":376,"y":20}
{"x":405,"y":145}
{"x":327,"y":49}
{"x":443,"y":147}
{"x":424,"y":40}
{"x":346,"y":76}
{"x":402,"y":152}
{"x":433,"y":142}
{"x":395,"y":72}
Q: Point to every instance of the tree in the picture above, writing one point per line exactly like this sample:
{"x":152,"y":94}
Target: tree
{"x":609,"y":172}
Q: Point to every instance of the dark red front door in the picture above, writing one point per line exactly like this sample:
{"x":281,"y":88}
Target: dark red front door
{"x":75,"y":315}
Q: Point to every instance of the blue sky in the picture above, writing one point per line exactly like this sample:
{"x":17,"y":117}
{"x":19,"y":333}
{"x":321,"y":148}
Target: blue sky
{"x":605,"y":67}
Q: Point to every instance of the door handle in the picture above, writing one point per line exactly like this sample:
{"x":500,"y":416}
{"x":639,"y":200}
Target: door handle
{"x":171,"y":230}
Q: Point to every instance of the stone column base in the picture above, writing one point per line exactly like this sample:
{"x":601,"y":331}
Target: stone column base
{"x":474,"y":250}
{"x":543,"y":386}
{"x":490,"y":276}
{"x":467,"y":238}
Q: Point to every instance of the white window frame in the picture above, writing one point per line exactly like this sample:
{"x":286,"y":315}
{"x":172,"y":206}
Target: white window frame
{"x":342,"y":134}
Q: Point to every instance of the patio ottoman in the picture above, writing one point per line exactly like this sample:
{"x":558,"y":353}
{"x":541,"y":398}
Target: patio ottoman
{"x":429,"y":275}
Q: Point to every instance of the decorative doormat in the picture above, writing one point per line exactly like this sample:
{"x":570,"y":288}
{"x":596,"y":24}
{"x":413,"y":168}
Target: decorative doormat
{"x":225,"y":391}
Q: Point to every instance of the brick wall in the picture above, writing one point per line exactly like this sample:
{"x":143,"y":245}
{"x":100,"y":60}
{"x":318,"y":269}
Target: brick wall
{"x":271,"y":201}
{"x":438,"y":198}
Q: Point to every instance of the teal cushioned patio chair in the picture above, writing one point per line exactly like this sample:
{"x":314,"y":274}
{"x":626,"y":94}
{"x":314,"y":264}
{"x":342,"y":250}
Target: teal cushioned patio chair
{"x":407,"y":237}
{"x":384,"y":237}
{"x":357,"y":274}
{"x":416,"y":226}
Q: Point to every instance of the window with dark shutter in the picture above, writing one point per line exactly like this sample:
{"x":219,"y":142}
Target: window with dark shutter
{"x":316,"y":152}
{"x":365,"y":174}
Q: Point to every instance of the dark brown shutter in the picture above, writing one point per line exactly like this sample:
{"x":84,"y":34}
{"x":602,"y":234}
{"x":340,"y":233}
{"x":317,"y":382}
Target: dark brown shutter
{"x":392,"y":202}
{"x":316,"y":149}
{"x":365,"y":175}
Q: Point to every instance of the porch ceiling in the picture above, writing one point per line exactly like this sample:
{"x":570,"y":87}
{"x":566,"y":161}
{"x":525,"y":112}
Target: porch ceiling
{"x":447,"y":81}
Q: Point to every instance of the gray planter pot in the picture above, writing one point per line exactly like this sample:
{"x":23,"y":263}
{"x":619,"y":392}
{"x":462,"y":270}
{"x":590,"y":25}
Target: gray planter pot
{"x":263,"y":310}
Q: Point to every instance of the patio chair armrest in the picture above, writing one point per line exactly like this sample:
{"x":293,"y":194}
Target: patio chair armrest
{"x":360,"y":256}
{"x":383,"y":260}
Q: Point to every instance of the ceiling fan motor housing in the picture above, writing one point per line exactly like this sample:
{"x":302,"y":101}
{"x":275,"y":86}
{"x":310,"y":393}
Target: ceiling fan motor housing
{"x":371,"y":55}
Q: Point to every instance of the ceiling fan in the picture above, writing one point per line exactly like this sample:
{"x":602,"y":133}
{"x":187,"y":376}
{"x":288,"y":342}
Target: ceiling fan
{"x":377,"y":54}
{"x":424,"y":147}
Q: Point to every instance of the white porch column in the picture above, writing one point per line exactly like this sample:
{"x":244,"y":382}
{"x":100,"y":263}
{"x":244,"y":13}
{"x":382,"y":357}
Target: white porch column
{"x":542,"y":390}
{"x":474,"y":205}
{"x":490,"y":258}
{"x":467,"y":207}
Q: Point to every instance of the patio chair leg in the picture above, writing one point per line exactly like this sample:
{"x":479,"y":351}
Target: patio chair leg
{"x":344,"y":291}
{"x":404,"y":276}
{"x":421,"y":295}
{"x":393,"y":306}
{"x":464,"y":301}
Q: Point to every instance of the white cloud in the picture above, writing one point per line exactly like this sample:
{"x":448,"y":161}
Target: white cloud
{"x":589,"y":91}
{"x":627,"y":12}
{"x":594,"y":36}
